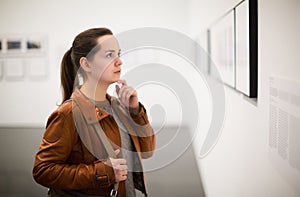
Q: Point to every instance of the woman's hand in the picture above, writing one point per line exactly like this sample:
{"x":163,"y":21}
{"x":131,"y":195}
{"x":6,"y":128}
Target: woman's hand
{"x":120,"y":168}
{"x":128,"y":96}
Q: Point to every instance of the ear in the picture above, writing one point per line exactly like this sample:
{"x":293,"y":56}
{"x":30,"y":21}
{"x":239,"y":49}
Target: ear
{"x":85,"y":65}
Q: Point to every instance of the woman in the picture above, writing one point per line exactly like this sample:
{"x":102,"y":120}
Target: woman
{"x":72,"y":159}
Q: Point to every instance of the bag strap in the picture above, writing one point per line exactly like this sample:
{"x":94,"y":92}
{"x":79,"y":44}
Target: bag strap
{"x":108,"y":147}
{"x":110,"y":151}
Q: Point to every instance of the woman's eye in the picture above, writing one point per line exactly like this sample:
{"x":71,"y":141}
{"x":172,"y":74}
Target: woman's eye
{"x":109,"y":55}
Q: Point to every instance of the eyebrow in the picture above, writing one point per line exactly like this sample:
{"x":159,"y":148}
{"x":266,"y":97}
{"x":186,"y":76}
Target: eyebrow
{"x":111,"y":50}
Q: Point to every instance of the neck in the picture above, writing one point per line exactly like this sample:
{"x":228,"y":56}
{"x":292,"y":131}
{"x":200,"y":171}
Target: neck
{"x":96,"y":92}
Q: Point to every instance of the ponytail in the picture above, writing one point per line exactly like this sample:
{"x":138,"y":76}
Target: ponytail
{"x":67,"y":75}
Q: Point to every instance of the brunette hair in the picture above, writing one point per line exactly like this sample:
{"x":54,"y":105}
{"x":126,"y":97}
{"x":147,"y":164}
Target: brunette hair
{"x":81,"y":47}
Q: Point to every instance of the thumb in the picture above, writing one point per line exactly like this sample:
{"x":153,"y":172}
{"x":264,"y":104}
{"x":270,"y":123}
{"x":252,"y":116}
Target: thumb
{"x":117,"y":89}
{"x":117,"y":151}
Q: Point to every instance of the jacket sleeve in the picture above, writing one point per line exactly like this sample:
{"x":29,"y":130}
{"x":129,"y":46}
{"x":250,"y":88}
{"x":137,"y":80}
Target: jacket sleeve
{"x":51,"y":168}
{"x":145,"y":132}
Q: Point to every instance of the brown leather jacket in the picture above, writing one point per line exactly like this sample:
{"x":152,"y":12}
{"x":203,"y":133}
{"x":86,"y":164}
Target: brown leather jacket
{"x":71,"y":157}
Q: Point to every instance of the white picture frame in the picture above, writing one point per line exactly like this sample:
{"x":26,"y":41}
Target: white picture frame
{"x":222,"y":49}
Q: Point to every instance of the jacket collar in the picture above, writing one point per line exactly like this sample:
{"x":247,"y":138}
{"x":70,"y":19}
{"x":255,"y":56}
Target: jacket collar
{"x":89,"y":110}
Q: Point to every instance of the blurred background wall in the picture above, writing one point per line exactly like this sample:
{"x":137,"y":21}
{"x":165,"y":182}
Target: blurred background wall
{"x":60,"y":22}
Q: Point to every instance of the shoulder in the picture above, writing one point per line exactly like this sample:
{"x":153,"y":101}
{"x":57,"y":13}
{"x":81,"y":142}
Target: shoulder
{"x":64,"y":110}
{"x":60,"y":121}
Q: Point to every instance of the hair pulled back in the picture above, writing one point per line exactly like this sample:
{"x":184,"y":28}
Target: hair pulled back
{"x":81,"y":47}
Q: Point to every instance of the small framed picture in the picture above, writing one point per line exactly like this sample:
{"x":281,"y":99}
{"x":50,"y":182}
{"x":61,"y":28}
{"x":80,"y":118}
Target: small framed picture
{"x":14,"y":45}
{"x":35,"y":44}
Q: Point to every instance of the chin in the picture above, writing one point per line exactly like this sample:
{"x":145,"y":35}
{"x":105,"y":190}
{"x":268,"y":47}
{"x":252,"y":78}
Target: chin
{"x":117,"y":79}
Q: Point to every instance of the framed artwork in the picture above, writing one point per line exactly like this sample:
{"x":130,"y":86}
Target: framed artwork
{"x":23,"y":56}
{"x":221,"y":49}
{"x":246,"y":47}
{"x":35,"y":44}
{"x":232,"y":45}
{"x":14,"y":45}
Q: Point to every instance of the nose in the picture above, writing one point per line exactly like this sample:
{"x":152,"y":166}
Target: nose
{"x":118,"y":61}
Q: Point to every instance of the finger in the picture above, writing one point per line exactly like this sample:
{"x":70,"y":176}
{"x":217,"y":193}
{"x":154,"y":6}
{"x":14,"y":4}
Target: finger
{"x":123,"y":81}
{"x":129,"y":93}
{"x":119,"y":162}
{"x":117,"y":151}
{"x":120,"y":91}
{"x":123,"y":168}
{"x":117,"y":89}
{"x":119,"y":85}
{"x":123,"y":90}
{"x":127,"y":97}
{"x":122,"y":161}
{"x":123,"y":93}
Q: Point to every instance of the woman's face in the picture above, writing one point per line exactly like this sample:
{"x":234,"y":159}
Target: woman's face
{"x":106,"y":63}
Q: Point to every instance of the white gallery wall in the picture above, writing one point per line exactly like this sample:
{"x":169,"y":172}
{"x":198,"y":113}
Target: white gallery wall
{"x":241,"y":163}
